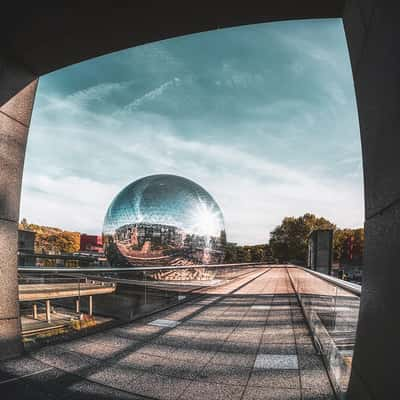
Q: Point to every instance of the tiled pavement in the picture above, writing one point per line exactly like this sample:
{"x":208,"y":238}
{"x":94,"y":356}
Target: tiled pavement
{"x":250,"y":342}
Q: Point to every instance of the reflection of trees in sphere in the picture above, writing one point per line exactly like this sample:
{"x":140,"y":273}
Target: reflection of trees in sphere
{"x":163,"y":220}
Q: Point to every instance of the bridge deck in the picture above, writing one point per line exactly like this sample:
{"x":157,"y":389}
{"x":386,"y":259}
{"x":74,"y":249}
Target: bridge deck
{"x":42,"y":291}
{"x":248,"y":340}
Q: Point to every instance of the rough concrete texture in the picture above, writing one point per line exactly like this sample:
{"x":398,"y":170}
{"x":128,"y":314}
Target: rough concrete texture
{"x":14,"y":123}
{"x":373,"y":34}
{"x":187,"y":361}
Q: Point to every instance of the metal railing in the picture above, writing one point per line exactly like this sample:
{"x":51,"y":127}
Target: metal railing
{"x":34,"y":268}
{"x":138,"y":290}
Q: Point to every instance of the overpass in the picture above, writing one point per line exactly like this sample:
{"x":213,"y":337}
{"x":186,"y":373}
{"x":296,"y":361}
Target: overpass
{"x":67,"y":256}
{"x":42,"y":291}
{"x":35,"y":292}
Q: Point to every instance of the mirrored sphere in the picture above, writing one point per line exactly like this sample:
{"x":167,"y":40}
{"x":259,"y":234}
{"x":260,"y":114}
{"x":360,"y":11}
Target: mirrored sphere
{"x":163,"y":220}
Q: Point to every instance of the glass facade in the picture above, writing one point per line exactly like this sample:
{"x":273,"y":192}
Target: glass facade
{"x":163,"y":220}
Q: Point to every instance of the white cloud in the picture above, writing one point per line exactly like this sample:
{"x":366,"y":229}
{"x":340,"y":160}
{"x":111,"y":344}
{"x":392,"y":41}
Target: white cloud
{"x":72,"y":203}
{"x":261,"y":165}
{"x":253,"y":192}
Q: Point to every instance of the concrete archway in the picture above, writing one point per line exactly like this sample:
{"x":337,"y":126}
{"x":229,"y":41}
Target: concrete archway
{"x":39,"y":40}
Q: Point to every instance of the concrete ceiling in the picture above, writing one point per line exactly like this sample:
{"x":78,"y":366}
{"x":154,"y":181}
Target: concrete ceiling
{"x":43,"y":38}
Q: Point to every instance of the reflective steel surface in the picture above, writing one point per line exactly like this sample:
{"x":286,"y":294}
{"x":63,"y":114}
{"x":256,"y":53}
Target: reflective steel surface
{"x":163,"y":220}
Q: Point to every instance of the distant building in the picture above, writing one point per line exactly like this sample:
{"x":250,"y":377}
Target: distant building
{"x":320,"y":244}
{"x":91,"y":243}
{"x":26,"y":247}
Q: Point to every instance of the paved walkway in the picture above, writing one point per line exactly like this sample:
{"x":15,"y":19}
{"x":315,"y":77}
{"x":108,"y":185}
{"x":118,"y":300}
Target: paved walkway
{"x":249,"y":341}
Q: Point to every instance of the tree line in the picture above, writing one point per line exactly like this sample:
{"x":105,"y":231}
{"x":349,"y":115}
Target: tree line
{"x":52,"y":240}
{"x":289,"y":240}
{"x":289,"y":243}
{"x":247,"y":254}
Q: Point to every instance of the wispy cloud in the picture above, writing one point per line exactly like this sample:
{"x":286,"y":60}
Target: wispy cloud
{"x":98,"y":92}
{"x":148,"y":96}
{"x":269,"y":127}
{"x":80,"y":99}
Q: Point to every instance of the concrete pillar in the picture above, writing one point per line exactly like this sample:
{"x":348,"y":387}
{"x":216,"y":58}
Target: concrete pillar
{"x":90,"y":305}
{"x":14,"y":124}
{"x":35,"y":313}
{"x":77,"y":305}
{"x":48,"y":311}
{"x":373,"y":35}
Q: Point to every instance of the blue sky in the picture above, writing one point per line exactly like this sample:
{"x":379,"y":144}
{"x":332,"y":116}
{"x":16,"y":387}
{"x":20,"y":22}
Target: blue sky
{"x":262,"y":116}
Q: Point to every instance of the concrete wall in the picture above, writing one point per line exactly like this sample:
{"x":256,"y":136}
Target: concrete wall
{"x":320,"y":251}
{"x":41,"y":37}
{"x":373,"y":34}
{"x":14,"y":124}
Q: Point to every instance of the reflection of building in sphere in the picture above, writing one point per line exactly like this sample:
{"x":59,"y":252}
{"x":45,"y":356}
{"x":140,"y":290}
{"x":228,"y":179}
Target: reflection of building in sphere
{"x":163,"y":220}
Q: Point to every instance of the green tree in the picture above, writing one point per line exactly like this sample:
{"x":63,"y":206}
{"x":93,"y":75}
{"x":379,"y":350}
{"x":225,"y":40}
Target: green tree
{"x":289,"y":240}
{"x":230,"y":253}
{"x":249,"y":253}
{"x":241,"y":254}
{"x":341,"y":240}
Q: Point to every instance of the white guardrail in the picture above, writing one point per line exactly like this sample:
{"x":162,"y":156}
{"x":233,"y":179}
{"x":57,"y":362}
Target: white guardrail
{"x":349,"y":286}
